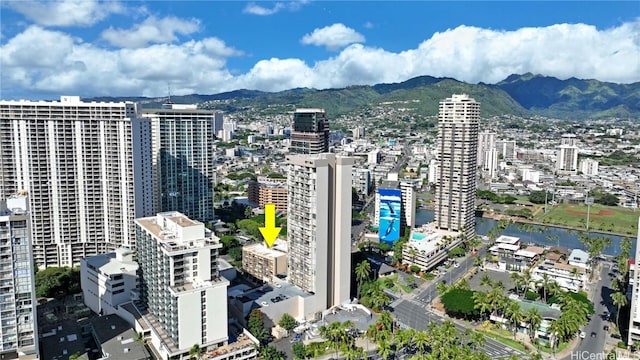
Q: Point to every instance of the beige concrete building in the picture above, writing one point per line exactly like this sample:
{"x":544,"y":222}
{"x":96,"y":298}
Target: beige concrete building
{"x":457,"y":147}
{"x":262,"y":262}
{"x":268,"y":191}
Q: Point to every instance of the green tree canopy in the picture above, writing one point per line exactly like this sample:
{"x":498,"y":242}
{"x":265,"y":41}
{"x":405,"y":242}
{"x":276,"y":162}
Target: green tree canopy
{"x":459,"y":302}
{"x":57,"y":282}
{"x":287,"y":322}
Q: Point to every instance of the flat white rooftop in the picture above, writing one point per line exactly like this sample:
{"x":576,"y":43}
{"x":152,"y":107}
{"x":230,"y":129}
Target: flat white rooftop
{"x":507,"y":239}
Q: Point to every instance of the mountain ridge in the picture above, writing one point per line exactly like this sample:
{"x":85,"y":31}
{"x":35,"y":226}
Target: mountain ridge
{"x":519,"y":94}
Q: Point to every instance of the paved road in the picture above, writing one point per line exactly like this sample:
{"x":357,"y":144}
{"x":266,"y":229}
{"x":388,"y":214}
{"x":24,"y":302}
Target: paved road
{"x":416,"y":315}
{"x":601,"y":301}
{"x":427,"y":294}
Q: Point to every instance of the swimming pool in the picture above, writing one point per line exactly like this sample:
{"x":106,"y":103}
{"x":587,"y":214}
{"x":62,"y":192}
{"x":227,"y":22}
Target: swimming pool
{"x":418,"y":236}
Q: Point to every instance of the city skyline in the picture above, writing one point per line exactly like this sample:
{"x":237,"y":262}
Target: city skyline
{"x":106,"y":48}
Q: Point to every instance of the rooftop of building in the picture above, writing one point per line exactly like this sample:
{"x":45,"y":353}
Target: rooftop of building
{"x":169,"y":227}
{"x":263,"y":250}
{"x":197,"y":283}
{"x":109,"y":264}
{"x":117,"y":338}
{"x":63,"y":340}
{"x":309,"y":110}
{"x":504,"y":239}
{"x":427,"y":237}
{"x":271,"y":294}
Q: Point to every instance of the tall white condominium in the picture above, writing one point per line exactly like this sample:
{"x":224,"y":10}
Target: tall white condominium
{"x":183,"y":159}
{"x":486,"y":142}
{"x":180,"y":284}
{"x":507,"y":148}
{"x":457,"y":146}
{"x":487,"y":154}
{"x":18,"y":335}
{"x":319,"y":226}
{"x":634,"y":316}
{"x":409,"y":197}
{"x":87,"y":169}
{"x":567,"y":159}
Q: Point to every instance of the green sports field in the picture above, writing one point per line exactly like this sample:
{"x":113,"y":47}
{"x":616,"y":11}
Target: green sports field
{"x":612,"y":219}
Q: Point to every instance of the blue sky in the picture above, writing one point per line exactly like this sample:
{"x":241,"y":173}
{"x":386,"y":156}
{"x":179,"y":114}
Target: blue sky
{"x":136,"y":48}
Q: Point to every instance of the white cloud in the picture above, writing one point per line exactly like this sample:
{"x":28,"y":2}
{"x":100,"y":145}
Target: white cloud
{"x":66,"y":12}
{"x":255,"y":9}
{"x":199,"y":66}
{"x":151,"y":30}
{"x":333,"y":37}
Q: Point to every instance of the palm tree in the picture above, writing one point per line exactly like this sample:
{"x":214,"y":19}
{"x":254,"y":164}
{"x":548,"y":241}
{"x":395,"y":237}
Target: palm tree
{"x":574,"y":273}
{"x":195,"y":352}
{"x":421,"y":341}
{"x":477,"y":340}
{"x":553,"y":288}
{"x":379,"y":300}
{"x":496,"y":298}
{"x":413,"y":252}
{"x":463,"y":284}
{"x":514,"y":313}
{"x":517,"y":281}
{"x":481,"y":303}
{"x":619,"y":300}
{"x":442,"y":288}
{"x":485,"y":281}
{"x":534,"y":319}
{"x":384,"y":349}
{"x":526,"y":280}
{"x":363,"y":270}
{"x":386,"y":321}
{"x":544,"y":283}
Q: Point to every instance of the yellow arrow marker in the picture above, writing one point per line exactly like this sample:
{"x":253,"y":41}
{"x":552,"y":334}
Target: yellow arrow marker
{"x":270,"y":231}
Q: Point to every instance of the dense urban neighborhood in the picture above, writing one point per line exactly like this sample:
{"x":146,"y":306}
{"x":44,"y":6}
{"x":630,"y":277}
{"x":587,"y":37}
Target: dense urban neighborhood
{"x":397,"y":235}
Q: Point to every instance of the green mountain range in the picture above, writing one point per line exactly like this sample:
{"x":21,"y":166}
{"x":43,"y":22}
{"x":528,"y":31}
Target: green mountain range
{"x":524,"y":95}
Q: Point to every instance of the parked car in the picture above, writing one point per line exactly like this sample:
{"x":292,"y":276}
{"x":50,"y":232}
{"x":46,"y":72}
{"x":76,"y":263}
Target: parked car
{"x":593,"y":334}
{"x":582,"y":335}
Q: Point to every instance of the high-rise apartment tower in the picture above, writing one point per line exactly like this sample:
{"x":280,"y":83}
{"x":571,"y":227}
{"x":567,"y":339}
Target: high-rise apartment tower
{"x":19,"y":333}
{"x":180,"y":284}
{"x":319,"y":225}
{"x":310,"y":132}
{"x":457,"y":147}
{"x":86,"y":168}
{"x":183,"y":159}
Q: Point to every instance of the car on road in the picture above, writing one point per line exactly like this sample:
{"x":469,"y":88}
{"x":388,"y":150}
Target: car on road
{"x":582,"y":335}
{"x":593,"y":334}
{"x":605,"y":328}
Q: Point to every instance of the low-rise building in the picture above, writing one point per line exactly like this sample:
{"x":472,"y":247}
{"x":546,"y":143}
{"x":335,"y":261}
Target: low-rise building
{"x":263,"y":262}
{"x":579,"y":258}
{"x":567,"y":276}
{"x":428,"y":246}
{"x":108,"y":280}
{"x":268,"y":191}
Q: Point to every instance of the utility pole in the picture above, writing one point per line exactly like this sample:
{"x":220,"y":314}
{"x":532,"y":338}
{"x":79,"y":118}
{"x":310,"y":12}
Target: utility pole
{"x":588,"y":201}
